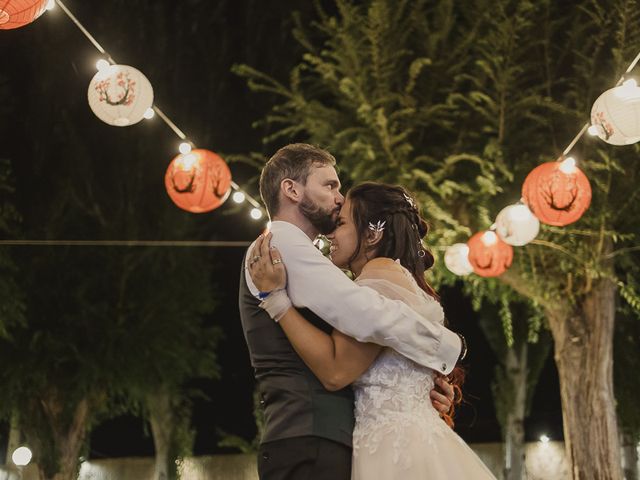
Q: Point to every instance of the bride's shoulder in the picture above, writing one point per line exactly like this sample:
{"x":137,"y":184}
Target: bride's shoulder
{"x":382,"y":263}
{"x":383,"y":268}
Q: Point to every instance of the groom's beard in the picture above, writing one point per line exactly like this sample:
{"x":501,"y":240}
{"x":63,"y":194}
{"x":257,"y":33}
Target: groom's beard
{"x":323,"y":220}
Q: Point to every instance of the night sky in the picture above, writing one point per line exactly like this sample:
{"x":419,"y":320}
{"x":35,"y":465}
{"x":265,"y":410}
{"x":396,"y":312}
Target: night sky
{"x":47,"y":66}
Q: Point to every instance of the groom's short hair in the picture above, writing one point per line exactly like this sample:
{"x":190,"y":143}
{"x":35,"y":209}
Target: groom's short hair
{"x":292,"y":161}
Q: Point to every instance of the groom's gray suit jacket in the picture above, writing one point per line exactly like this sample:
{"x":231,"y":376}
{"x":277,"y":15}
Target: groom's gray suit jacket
{"x":294,"y":401}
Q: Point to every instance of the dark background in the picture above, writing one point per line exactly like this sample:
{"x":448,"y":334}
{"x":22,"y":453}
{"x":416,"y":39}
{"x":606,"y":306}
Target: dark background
{"x":187,"y":49}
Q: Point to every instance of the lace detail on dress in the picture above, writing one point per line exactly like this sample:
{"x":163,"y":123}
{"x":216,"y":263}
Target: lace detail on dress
{"x":392,"y":400}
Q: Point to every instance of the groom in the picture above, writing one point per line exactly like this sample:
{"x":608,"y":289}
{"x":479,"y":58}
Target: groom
{"x":307,"y":432}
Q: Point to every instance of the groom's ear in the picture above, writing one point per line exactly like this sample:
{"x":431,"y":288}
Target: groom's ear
{"x":291,"y":190}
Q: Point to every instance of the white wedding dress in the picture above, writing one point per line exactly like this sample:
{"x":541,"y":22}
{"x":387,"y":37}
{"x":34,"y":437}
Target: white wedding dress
{"x":398,"y":433}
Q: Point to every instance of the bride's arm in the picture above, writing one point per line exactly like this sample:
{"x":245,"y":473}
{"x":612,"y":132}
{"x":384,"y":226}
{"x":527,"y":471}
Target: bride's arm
{"x":337,"y":360}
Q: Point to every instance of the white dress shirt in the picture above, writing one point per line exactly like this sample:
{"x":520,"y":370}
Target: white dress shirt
{"x":357,"y":311}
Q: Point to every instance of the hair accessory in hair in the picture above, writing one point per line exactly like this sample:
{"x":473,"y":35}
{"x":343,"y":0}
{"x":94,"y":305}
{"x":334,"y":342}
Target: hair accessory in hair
{"x":421,"y":250}
{"x":378,"y":227}
{"x":410,"y":201}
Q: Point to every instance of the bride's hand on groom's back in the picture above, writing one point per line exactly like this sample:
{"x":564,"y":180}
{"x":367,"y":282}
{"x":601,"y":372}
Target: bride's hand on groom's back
{"x":442,"y":395}
{"x":265,"y":265}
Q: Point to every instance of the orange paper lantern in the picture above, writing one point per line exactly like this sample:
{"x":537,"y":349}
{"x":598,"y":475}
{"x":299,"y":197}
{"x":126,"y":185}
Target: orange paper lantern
{"x":489,"y":256}
{"x":199,"y":181}
{"x":558,"y":193}
{"x":18,"y":13}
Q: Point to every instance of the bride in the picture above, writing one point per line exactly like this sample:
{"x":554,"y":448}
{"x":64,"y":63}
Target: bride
{"x":398,"y":432}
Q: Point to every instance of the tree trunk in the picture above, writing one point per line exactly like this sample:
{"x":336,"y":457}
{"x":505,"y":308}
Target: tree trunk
{"x":584,"y":357}
{"x":630,"y":457}
{"x":57,"y":452}
{"x":516,"y":371}
{"x":15,"y":437}
{"x":162,"y":427}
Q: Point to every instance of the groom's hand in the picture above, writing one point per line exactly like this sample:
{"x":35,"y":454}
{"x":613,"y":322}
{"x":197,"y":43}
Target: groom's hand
{"x":442,"y":395}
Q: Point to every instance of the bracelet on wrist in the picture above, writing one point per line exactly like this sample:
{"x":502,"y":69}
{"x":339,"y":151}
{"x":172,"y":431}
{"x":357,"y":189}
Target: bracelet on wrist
{"x":463,"y":350}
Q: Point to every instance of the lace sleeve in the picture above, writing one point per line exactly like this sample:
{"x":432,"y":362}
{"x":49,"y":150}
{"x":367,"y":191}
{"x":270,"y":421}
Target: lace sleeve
{"x":393,"y":281}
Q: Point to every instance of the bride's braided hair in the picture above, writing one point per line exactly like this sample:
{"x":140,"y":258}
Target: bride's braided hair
{"x":404,"y":229}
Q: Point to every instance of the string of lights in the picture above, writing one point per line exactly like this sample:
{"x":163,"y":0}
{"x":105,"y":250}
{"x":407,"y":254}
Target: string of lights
{"x":240,"y":194}
{"x":613,"y":119}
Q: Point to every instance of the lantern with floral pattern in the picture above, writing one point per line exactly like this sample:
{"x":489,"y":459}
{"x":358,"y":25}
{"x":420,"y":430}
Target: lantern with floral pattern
{"x":198,"y":181}
{"x":558,"y":193}
{"x":615,"y":115}
{"x":120,"y":95}
{"x":18,"y":13}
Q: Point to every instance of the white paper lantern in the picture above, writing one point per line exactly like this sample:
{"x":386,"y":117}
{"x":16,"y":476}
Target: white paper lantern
{"x":516,"y":225}
{"x":615,"y":115}
{"x":120,"y":95}
{"x":456,"y":258}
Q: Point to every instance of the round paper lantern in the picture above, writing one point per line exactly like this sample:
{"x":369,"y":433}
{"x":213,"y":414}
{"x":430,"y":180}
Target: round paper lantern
{"x":615,"y":115}
{"x":489,"y":256}
{"x":456,"y":259}
{"x":558,"y":193}
{"x":516,"y":225}
{"x":17,"y":13}
{"x":199,"y":181}
{"x":120,"y":95}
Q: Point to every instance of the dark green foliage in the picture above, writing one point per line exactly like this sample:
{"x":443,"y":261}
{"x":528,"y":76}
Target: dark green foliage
{"x":11,"y":295}
{"x":459,"y":102}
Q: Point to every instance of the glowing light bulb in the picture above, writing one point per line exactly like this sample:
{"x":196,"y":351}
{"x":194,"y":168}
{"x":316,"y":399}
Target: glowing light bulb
{"x":102,"y":65}
{"x":256,"y":213}
{"x":568,"y":165}
{"x":238,"y":197}
{"x":187,"y":162}
{"x":544,"y":439}
{"x":51,"y":4}
{"x":628,"y":90}
{"x":21,"y":456}
{"x":149,"y":113}
{"x":184,"y":148}
{"x":489,"y":238}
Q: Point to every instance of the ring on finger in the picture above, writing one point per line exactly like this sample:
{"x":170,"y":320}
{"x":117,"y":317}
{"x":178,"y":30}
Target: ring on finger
{"x":276,"y":261}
